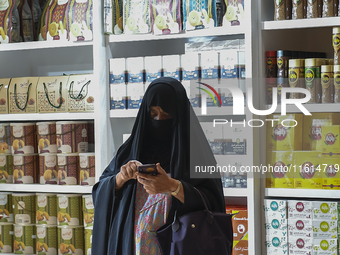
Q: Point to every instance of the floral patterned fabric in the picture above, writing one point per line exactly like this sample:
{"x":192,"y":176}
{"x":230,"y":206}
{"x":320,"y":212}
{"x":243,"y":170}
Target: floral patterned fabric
{"x":151,"y":213}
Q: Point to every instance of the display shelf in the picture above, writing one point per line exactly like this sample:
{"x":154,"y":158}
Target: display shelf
{"x":235,"y":192}
{"x":123,"y":113}
{"x":47,"y":116}
{"x":301,"y":23}
{"x":41,"y":45}
{"x":310,"y":107}
{"x":302,"y":193}
{"x":216,"y":31}
{"x":8,"y":187}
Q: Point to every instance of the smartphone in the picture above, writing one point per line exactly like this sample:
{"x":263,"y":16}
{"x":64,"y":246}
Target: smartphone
{"x":148,"y":169}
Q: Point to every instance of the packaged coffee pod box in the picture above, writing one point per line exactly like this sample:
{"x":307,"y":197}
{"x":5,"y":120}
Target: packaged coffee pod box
{"x":165,"y":18}
{"x":299,"y":209}
{"x":276,"y":245}
{"x":331,"y":142}
{"x":199,"y":15}
{"x":275,"y":209}
{"x":4,"y":84}
{"x":325,"y":229}
{"x":117,"y":68}
{"x":22,"y":95}
{"x":80,"y":89}
{"x":281,"y":171}
{"x":331,"y":173}
{"x":325,"y":210}
{"x":52,"y":94}
{"x":325,"y":246}
{"x":300,"y":228}
{"x":136,"y":17}
{"x":300,"y":245}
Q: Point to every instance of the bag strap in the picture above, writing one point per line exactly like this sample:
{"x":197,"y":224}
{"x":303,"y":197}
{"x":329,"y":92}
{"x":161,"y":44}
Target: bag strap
{"x":204,"y":202}
{"x":80,"y":95}
{"x":16,"y":96}
{"x":1,"y":86}
{"x":60,"y":96}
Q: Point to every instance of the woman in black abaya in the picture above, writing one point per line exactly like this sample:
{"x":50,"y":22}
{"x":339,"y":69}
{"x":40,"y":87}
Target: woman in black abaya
{"x":129,"y":206}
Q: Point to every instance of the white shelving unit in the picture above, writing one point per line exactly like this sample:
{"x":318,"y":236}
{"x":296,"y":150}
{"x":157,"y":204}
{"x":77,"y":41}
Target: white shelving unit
{"x":302,"y":193}
{"x":45,"y":188}
{"x":235,"y":192}
{"x":47,"y":116}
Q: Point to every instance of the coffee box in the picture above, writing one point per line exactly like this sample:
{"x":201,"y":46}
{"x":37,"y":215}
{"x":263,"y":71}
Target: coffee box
{"x":22,"y":96}
{"x":300,"y":245}
{"x":300,"y":209}
{"x":285,"y":133}
{"x":281,"y":173}
{"x":325,"y":210}
{"x":117,"y":68}
{"x":240,"y":248}
{"x":325,"y":247}
{"x":135,"y":92}
{"x":52,"y":94}
{"x":300,"y":228}
{"x":239,"y":222}
{"x":307,"y":175}
{"x":275,"y":209}
{"x":171,"y":66}
{"x":276,"y":245}
{"x":4,"y":84}
{"x":312,"y":129}
{"x":190,"y":66}
{"x":153,"y":67}
{"x":118,"y":96}
{"x":330,"y":173}
{"x":135,"y":67}
{"x":80,"y":90}
{"x":330,"y":140}
{"x":325,"y":229}
{"x":276,"y":225}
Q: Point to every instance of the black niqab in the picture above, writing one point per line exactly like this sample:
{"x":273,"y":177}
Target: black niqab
{"x":113,"y":230}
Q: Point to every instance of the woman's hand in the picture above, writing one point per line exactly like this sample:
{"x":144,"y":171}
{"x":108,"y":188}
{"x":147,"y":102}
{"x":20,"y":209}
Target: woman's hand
{"x":160,"y":183}
{"x":127,"y":172}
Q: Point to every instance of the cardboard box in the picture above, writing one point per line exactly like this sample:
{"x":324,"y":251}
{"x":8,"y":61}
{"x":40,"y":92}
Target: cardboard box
{"x":275,"y":209}
{"x":117,"y":68}
{"x":276,"y":225}
{"x":118,"y":96}
{"x":239,"y":222}
{"x":81,"y":93}
{"x":209,"y":64}
{"x":276,"y":245}
{"x":190,"y":66}
{"x":19,"y":88}
{"x":325,"y":229}
{"x":330,"y":140}
{"x":325,"y":210}
{"x":135,"y":92}
{"x":281,"y":173}
{"x":135,"y":67}
{"x":300,"y":228}
{"x":228,"y":60}
{"x":312,"y":129}
{"x":325,"y":247}
{"x":153,"y":66}
{"x":301,"y":210}
{"x":300,"y":245}
{"x":240,"y":248}
{"x":4,"y":84}
{"x":307,"y":175}
{"x":282,"y":136}
{"x":171,"y":66}
{"x":49,"y":91}
{"x":330,"y":172}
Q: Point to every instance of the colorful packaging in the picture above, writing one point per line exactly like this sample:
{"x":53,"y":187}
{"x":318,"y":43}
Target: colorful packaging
{"x":22,"y":95}
{"x":199,"y":14}
{"x":276,"y":245}
{"x":136,"y":17}
{"x":5,"y":138}
{"x":24,"y":168}
{"x":48,"y":173}
{"x":300,"y":228}
{"x":234,"y":15}
{"x":79,"y":19}
{"x":300,"y":245}
{"x":47,"y":240}
{"x":88,"y":210}
{"x":6,"y":238}
{"x":88,"y":240}
{"x":331,"y":142}
{"x":24,"y":239}
{"x":6,"y":168}
{"x":153,"y":67}
{"x":6,"y":208}
{"x":240,"y":223}
{"x":69,"y":210}
{"x":42,"y":22}
{"x":330,"y":173}
{"x":307,"y":175}
{"x":68,"y":167}
{"x":54,"y":25}
{"x":312,"y":129}
{"x":302,"y":210}
{"x":275,"y":209}
{"x":10,"y":25}
{"x":278,"y":227}
{"x":23,"y":138}
{"x":325,"y":229}
{"x":87,"y":168}
{"x":26,"y":21}
{"x":325,"y":210}
{"x":325,"y":247}
{"x":165,"y":17}
{"x":71,"y":240}
{"x":90,"y":134}
{"x":117,"y":17}
{"x":135,"y":92}
{"x":72,"y":136}
{"x":281,"y":172}
{"x":46,"y":137}
{"x":118,"y":96}
{"x":117,"y":69}
{"x":46,"y":207}
{"x":4,"y":84}
{"x":80,"y":93}
{"x":52,"y":94}
{"x":24,"y":208}
{"x":36,"y":14}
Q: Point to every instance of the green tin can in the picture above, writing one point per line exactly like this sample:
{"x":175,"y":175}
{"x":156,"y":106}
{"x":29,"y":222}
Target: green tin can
{"x":46,"y":209}
{"x":6,"y":238}
{"x":6,"y":168}
{"x":47,"y":240}
{"x":88,"y":210}
{"x":69,"y":210}
{"x":71,"y":240}
{"x":88,"y":240}
{"x":24,"y":208}
{"x":6,"y":208}
{"x":24,"y":239}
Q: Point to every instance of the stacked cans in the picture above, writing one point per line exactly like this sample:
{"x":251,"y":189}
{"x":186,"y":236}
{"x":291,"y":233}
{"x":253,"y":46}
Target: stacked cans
{"x":88,"y":215}
{"x":6,"y":158}
{"x":6,"y":223}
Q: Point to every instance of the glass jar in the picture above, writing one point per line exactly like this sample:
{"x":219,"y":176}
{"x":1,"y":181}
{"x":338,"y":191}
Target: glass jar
{"x":271,"y":64}
{"x":327,"y":84}
{"x":310,"y":78}
{"x":336,"y":71}
{"x":336,"y":45}
{"x":295,"y":76}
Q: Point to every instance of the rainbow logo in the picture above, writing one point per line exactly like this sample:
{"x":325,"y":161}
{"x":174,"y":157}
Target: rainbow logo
{"x":209,"y":93}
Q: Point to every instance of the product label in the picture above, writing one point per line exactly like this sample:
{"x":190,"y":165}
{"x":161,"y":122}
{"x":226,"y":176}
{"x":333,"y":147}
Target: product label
{"x":280,"y":62}
{"x":50,"y":161}
{"x":269,"y":60}
{"x":18,"y":131}
{"x":309,"y":76}
{"x":337,"y":81}
{"x":325,"y":80}
{"x":67,"y":233}
{"x":336,"y":42}
{"x":293,"y":77}
{"x":63,"y":202}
